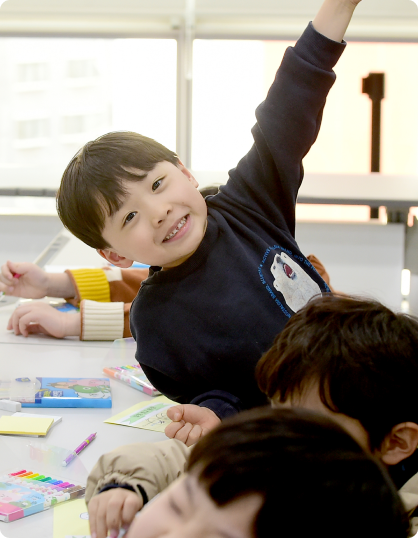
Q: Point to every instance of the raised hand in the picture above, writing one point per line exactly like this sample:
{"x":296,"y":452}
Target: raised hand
{"x":111,"y":510}
{"x":39,"y":317}
{"x":334,"y":17}
{"x":190,"y":423}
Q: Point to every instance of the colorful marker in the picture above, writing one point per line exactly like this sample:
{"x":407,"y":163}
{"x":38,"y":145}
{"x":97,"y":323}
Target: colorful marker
{"x":77,"y":451}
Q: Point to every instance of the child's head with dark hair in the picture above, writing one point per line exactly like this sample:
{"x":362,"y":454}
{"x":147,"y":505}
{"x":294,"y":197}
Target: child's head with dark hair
{"x":274,"y":472}
{"x":355,"y":360}
{"x":92,"y":185}
{"x":129,"y":197}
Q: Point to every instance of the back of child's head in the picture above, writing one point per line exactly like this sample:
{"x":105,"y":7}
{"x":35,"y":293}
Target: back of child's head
{"x":92,"y":186}
{"x":362,"y":356}
{"x":313,"y":477}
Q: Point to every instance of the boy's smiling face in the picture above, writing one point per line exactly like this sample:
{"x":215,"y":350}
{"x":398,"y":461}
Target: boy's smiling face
{"x":161,"y":222}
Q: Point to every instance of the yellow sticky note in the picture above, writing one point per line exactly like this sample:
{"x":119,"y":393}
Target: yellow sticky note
{"x":71,"y":519}
{"x":25,"y":425}
{"x":150,"y":415}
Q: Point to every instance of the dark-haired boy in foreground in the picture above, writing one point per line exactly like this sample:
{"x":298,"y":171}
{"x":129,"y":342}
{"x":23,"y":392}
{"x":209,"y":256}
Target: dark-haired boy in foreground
{"x":270,"y":473}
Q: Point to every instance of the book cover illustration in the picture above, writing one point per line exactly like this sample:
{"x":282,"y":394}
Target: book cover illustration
{"x":70,"y":392}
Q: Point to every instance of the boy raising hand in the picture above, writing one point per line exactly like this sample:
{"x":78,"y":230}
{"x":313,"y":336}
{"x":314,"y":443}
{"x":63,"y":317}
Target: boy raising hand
{"x":226,"y":272}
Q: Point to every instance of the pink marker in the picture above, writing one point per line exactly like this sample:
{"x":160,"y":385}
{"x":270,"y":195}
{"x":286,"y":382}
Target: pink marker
{"x":19,"y":472}
{"x":16,"y":275}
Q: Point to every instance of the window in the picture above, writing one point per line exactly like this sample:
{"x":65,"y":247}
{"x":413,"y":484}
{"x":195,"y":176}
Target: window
{"x":63,"y":92}
{"x":82,"y":69}
{"x":232,"y":77}
{"x":32,"y":133}
{"x":32,"y":72}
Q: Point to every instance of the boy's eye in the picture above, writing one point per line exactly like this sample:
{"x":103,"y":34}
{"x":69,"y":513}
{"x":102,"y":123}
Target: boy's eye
{"x":156,"y":184}
{"x":129,"y":217}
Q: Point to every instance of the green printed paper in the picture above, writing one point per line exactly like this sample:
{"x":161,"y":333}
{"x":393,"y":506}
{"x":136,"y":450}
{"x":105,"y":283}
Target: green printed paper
{"x":150,"y":415}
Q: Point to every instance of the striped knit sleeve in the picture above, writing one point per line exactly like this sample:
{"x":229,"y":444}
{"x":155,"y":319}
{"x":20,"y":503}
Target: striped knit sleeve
{"x":101,"y":321}
{"x":90,"y":284}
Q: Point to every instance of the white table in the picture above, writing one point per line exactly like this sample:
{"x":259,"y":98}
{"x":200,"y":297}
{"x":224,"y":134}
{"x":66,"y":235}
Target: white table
{"x":44,"y":356}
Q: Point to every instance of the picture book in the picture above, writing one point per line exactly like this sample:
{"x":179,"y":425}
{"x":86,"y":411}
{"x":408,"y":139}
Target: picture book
{"x":132,"y":375}
{"x":151,"y":415}
{"x":70,"y":392}
{"x":26,"y":425}
{"x":23,"y":493}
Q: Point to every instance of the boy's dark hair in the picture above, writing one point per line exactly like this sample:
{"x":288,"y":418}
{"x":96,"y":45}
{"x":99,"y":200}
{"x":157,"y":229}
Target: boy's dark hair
{"x":312,"y":475}
{"x":92,"y":184}
{"x":363,"y":356}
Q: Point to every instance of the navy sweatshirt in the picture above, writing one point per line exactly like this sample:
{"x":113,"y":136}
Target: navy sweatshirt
{"x":201,"y":327}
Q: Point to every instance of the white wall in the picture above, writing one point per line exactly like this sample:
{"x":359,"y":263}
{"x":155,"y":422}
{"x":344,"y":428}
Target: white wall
{"x":361,"y":258}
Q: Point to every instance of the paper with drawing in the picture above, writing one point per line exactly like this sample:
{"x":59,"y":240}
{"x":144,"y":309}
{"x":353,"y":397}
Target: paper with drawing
{"x":150,"y":415}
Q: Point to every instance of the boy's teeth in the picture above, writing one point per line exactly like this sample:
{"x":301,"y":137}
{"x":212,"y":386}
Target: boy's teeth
{"x":176,"y":229}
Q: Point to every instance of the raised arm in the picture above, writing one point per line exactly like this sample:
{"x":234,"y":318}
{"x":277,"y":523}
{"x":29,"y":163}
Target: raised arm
{"x":333,"y":18}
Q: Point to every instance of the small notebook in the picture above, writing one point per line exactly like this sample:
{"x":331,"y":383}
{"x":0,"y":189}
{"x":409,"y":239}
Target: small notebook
{"x":12,"y":425}
{"x":55,"y":417}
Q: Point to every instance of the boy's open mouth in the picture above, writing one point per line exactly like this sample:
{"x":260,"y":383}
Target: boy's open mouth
{"x":176,"y":229}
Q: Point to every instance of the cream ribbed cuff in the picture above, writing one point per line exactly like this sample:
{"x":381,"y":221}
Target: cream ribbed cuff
{"x":101,"y":321}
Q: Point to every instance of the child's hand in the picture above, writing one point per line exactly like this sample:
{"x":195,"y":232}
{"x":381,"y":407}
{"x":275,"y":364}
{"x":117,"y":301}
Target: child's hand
{"x":34,"y":317}
{"x":190,"y":423}
{"x":111,"y":510}
{"x":31,"y":284}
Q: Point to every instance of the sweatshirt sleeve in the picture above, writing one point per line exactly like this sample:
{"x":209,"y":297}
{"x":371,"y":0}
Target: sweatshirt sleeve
{"x":222,"y":403}
{"x":152,"y":466}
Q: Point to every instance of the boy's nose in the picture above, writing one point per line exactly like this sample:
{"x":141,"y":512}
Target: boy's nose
{"x":160,"y":215}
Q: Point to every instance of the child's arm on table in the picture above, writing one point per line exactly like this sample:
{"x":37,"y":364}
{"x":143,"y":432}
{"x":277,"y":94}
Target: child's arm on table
{"x":107,"y":319}
{"x":145,"y":468}
{"x":35,"y":318}
{"x":95,"y":321}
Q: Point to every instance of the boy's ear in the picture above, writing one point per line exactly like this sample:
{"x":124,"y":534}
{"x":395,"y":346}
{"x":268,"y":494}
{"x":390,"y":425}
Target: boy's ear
{"x":114,"y":258}
{"x":399,"y":444}
{"x":188,"y":174}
